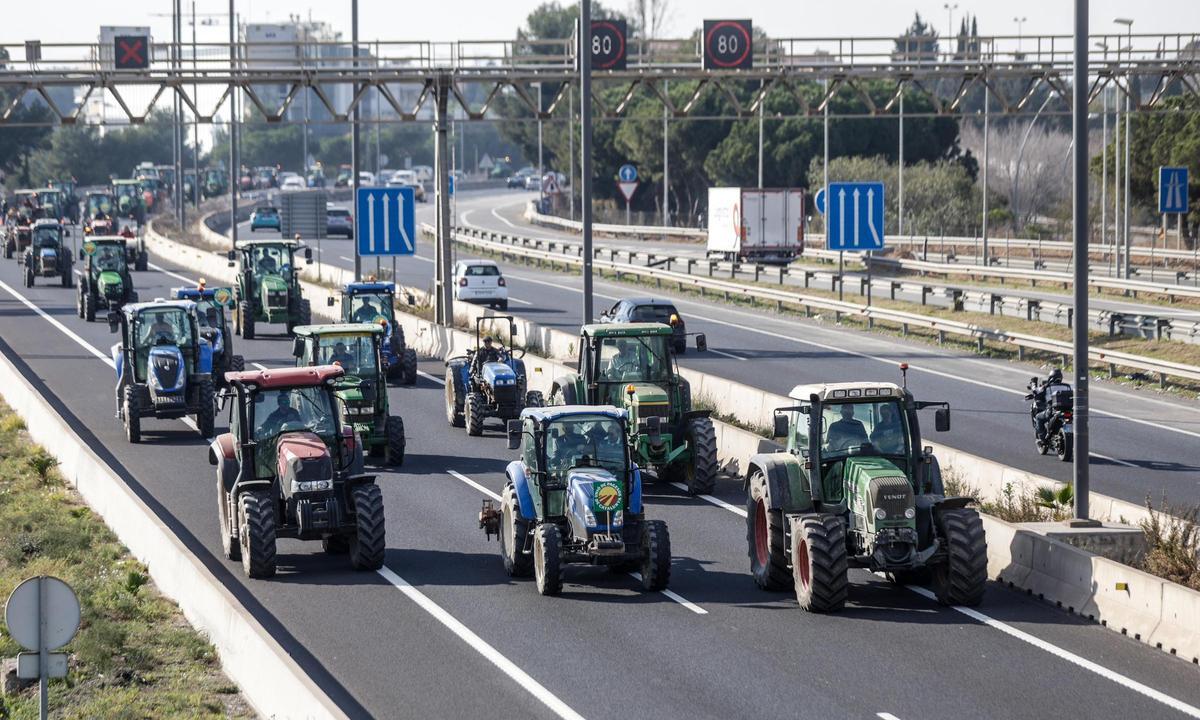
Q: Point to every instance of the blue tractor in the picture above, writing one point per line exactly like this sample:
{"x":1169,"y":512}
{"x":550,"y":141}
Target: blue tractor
{"x":211,"y":304}
{"x":375,"y":302}
{"x":164,"y":365}
{"x":575,"y":496}
{"x":488,"y":381}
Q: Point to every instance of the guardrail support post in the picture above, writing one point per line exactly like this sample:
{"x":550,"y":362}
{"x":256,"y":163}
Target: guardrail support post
{"x":925,"y":294}
{"x":956,"y":300}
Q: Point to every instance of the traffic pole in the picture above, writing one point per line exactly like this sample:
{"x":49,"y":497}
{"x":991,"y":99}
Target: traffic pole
{"x":234,"y":174}
{"x":1079,"y":329}
{"x":354,"y":159}
{"x":444,"y":311}
{"x":584,"y":49}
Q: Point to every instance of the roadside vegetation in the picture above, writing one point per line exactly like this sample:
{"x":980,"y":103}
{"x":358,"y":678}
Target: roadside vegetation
{"x":135,"y":656}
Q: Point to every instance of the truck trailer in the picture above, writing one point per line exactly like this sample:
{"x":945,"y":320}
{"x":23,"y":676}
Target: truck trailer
{"x":755,"y":225}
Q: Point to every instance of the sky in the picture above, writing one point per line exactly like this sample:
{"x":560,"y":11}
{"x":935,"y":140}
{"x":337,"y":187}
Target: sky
{"x":448,"y":20}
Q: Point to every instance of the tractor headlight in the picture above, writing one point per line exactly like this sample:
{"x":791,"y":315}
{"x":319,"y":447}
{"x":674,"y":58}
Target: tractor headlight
{"x":311,"y":486}
{"x":909,"y":513}
{"x":589,"y":517}
{"x":880,"y":514}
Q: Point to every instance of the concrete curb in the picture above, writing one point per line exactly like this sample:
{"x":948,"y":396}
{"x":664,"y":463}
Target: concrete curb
{"x":270,"y":679}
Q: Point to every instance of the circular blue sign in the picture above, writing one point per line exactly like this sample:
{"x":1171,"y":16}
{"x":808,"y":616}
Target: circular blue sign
{"x":819,"y":201}
{"x":627,"y":173}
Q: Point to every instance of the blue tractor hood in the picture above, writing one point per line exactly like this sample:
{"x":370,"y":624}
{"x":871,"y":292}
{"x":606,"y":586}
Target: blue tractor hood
{"x":498,"y":374}
{"x":595,"y":498}
{"x":165,"y":369}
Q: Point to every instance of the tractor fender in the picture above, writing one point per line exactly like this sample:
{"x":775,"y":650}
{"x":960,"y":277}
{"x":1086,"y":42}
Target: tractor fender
{"x":221,"y":448}
{"x":635,"y":490}
{"x":787,"y":486}
{"x":571,"y":387}
{"x":518,"y":368}
{"x":694,"y":414}
{"x":952,"y":503}
{"x":118,"y":360}
{"x":931,"y":477}
{"x":204,"y":358}
{"x":516,"y":474}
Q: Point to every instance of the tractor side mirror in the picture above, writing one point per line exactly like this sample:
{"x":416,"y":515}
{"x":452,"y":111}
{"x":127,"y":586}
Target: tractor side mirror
{"x":230,"y":256}
{"x":514,"y":434}
{"x":941,"y":420}
{"x":329,"y":301}
{"x":82,"y":254}
{"x":67,"y":232}
{"x":114,"y":321}
{"x":781,"y":426}
{"x":701,"y":342}
{"x":298,"y":347}
{"x":308,"y":256}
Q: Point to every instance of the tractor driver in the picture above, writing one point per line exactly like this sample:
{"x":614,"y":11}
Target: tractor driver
{"x":847,"y":432}
{"x":341,"y":356}
{"x":161,"y":332}
{"x":367,"y":312}
{"x":888,"y":434}
{"x":283,"y":414}
{"x":486,"y":354}
{"x":625,"y":362}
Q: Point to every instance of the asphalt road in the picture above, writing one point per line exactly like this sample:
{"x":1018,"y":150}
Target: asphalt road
{"x":441,"y":632}
{"x":1144,"y":443}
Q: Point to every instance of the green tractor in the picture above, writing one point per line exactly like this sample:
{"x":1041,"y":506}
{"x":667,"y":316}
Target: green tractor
{"x":131,"y":203}
{"x":106,"y":282}
{"x":855,"y":488}
{"x":362,"y":391}
{"x":632,"y":366}
{"x":215,"y":182}
{"x":268,"y":285}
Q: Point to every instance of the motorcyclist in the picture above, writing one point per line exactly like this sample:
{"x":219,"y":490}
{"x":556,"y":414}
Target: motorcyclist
{"x":847,"y":432}
{"x":1041,"y":397}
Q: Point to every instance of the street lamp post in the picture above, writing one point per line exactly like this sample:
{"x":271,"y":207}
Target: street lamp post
{"x":1122,"y":219}
{"x":1020,"y":21}
{"x":949,"y":23}
{"x":1079,"y":331}
{"x":1104,"y":158}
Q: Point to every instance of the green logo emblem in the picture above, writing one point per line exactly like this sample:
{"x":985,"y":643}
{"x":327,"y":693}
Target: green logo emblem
{"x":222,"y":296}
{"x":89,"y":247}
{"x":606,"y":497}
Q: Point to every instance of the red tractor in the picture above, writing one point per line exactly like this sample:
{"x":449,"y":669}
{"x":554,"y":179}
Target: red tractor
{"x":291,"y":467}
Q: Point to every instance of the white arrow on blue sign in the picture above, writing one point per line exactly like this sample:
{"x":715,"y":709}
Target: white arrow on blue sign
{"x":384,"y":221}
{"x":627,"y":173}
{"x":854,"y":216}
{"x":1173,"y":190}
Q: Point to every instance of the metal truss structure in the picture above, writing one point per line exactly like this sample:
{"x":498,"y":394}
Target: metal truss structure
{"x":1012,"y":71}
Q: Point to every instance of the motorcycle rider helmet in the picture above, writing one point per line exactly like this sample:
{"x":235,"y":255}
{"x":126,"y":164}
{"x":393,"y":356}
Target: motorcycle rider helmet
{"x":1055,"y":376}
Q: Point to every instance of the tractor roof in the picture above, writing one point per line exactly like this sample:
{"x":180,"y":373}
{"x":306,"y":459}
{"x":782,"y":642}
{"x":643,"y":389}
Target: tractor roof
{"x":25,"y":191}
{"x":626,"y":329}
{"x":47,"y":222}
{"x":287,"y":377}
{"x":193,"y":293}
{"x":846,"y":391}
{"x":339,"y":329}
{"x":124,"y":181}
{"x":105,"y":239}
{"x":554,"y":412}
{"x":369,"y":287}
{"x":244,"y":244}
{"x":158,"y":304}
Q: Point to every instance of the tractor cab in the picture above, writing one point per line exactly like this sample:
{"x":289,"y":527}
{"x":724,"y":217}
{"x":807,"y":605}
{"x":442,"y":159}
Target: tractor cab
{"x":47,"y":255}
{"x":98,"y":213}
{"x":375,"y":302}
{"x":106,"y":281}
{"x":53,"y":202}
{"x":215,"y":182}
{"x":211,"y":304}
{"x":129,"y":199}
{"x":632,"y":366}
{"x":163,"y":365}
{"x":268,"y":285}
{"x":362,"y":391}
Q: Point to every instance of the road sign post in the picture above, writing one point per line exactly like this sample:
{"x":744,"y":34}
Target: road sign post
{"x":42,"y":615}
{"x":384,"y":222}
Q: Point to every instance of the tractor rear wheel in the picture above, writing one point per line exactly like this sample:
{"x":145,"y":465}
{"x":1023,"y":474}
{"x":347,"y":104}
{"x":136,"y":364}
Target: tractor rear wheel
{"x":142,"y":264}
{"x":89,"y":307}
{"x":514,"y":532}
{"x":66,"y":278}
{"x":454,"y":409}
{"x":229,"y":535}
{"x":534,"y":398}
{"x":256,"y":533}
{"x":700,"y":472}
{"x":474,"y":414}
{"x":656,"y":555}
{"x":819,"y":566}
{"x":237,"y":363}
{"x":129,"y":411}
{"x":547,"y":559}
{"x":335,"y":544}
{"x":29,"y":274}
{"x":764,"y":533}
{"x":79,"y":299}
{"x":408,"y":366}
{"x":394,"y":429}
{"x":207,"y":409}
{"x":245,"y":314}
{"x":961,"y":579}
{"x":368,"y":542}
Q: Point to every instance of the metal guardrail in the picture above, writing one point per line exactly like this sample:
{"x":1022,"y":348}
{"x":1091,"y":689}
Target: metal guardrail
{"x":570,"y":254}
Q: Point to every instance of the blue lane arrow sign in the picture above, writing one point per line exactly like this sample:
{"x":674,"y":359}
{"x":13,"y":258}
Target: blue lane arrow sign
{"x":384,"y":221}
{"x":1173,"y":190}
{"x":627,"y":173}
{"x":854,"y":216}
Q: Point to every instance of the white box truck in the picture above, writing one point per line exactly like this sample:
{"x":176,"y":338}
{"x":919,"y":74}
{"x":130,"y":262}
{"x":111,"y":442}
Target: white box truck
{"x":755,"y":225}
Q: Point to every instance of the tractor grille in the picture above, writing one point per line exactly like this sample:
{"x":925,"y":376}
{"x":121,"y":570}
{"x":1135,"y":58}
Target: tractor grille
{"x":649,"y":410}
{"x":893,"y":495}
{"x":166,"y":371}
{"x":168,"y":401}
{"x":506,"y":395}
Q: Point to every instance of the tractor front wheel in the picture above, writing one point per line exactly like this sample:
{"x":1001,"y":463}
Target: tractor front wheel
{"x":534,"y":398}
{"x":394,"y":429}
{"x":66,"y":278}
{"x":764,"y":533}
{"x":142,"y":263}
{"x":656,"y":555}
{"x":700,"y":473}
{"x":547,"y":559}
{"x":819,"y":566}
{"x":368,"y":543}
{"x":514,"y":532}
{"x":79,"y":300}
{"x":474,"y":414}
{"x":206,"y":410}
{"x":961,"y":579}
{"x":256,"y":533}
{"x":408,"y":364}
{"x":454,"y":409}
{"x":28,"y":274}
{"x":129,"y":411}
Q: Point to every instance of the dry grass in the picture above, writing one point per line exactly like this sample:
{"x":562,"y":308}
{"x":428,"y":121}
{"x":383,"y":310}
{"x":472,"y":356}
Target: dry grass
{"x":1173,"y":544}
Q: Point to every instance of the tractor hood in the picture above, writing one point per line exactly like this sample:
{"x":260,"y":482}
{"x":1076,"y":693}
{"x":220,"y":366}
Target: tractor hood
{"x":303,"y":463}
{"x":274,"y":291}
{"x":877,"y":483}
{"x":498,"y":374}
{"x":110,"y":284}
{"x":595,"y":497}
{"x":647,"y":394}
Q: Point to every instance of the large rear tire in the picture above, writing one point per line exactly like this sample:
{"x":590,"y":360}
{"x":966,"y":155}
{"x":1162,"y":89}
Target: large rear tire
{"x":474,"y":414}
{"x":207,"y":410}
{"x":256,"y":533}
{"x":819,"y":566}
{"x":962,"y":578}
{"x":534,"y":398}
{"x":408,"y":366}
{"x":28,"y":273}
{"x":656,"y":555}
{"x":368,"y":543}
{"x":246,"y":320}
{"x":237,"y":363}
{"x":454,"y":408}
{"x":89,"y":307}
{"x":394,"y":429}
{"x":764,"y":533}
{"x":142,"y":264}
{"x":129,"y":412}
{"x":547,"y":559}
{"x":514,"y":533}
{"x":700,"y":473}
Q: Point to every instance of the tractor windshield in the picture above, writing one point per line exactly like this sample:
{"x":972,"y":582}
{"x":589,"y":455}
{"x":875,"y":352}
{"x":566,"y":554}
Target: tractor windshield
{"x":585,"y":441}
{"x":292,"y":409}
{"x":369,"y":307}
{"x":129,"y":190}
{"x":271,"y":259}
{"x":109,"y":257}
{"x":210,"y":314}
{"x":633,"y":359}
{"x":848,"y":426}
{"x":163,"y":326}
{"x":99,"y":204}
{"x":355,"y":353}
{"x":45,"y":237}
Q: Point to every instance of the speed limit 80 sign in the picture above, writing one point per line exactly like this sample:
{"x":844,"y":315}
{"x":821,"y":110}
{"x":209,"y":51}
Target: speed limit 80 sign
{"x":728,"y":45}
{"x":608,"y":44}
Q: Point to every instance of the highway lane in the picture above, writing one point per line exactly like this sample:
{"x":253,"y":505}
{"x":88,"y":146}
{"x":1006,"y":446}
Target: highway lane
{"x":382,"y":654}
{"x":1144,"y":444}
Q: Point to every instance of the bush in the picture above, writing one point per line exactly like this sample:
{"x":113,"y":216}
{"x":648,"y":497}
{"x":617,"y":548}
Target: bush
{"x":1173,"y":543}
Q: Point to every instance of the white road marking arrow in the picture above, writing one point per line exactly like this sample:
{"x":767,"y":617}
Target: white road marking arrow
{"x":871,"y":218}
{"x":371,"y":222}
{"x":842,"y":218}
{"x":387,"y":222}
{"x":857,"y":227}
{"x":408,"y":244}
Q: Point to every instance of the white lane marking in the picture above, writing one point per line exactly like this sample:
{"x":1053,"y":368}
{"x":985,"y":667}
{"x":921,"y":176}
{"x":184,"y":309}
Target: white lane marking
{"x":725,"y":354}
{"x":427,"y":376}
{"x":1068,"y":656}
{"x":260,"y":366}
{"x":508,"y":667}
{"x":347,"y":259}
{"x":504,"y":220}
{"x":886,"y":716}
{"x":79,"y":340}
{"x":714,"y":500}
{"x":1115,"y":460}
{"x":674,"y":596}
{"x":519,"y":301}
{"x":175,"y":275}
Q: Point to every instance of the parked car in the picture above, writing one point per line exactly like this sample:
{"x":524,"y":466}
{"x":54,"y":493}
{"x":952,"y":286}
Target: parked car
{"x":408,"y":178}
{"x":339,"y":221}
{"x":424,"y":173}
{"x":265,"y":218}
{"x":366,"y":179}
{"x":480,"y":281}
{"x":648,"y":309}
{"x":292,"y":184}
{"x":517,"y":179}
{"x":533,"y":182}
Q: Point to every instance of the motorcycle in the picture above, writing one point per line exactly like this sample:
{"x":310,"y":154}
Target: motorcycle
{"x":1059,"y":431}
